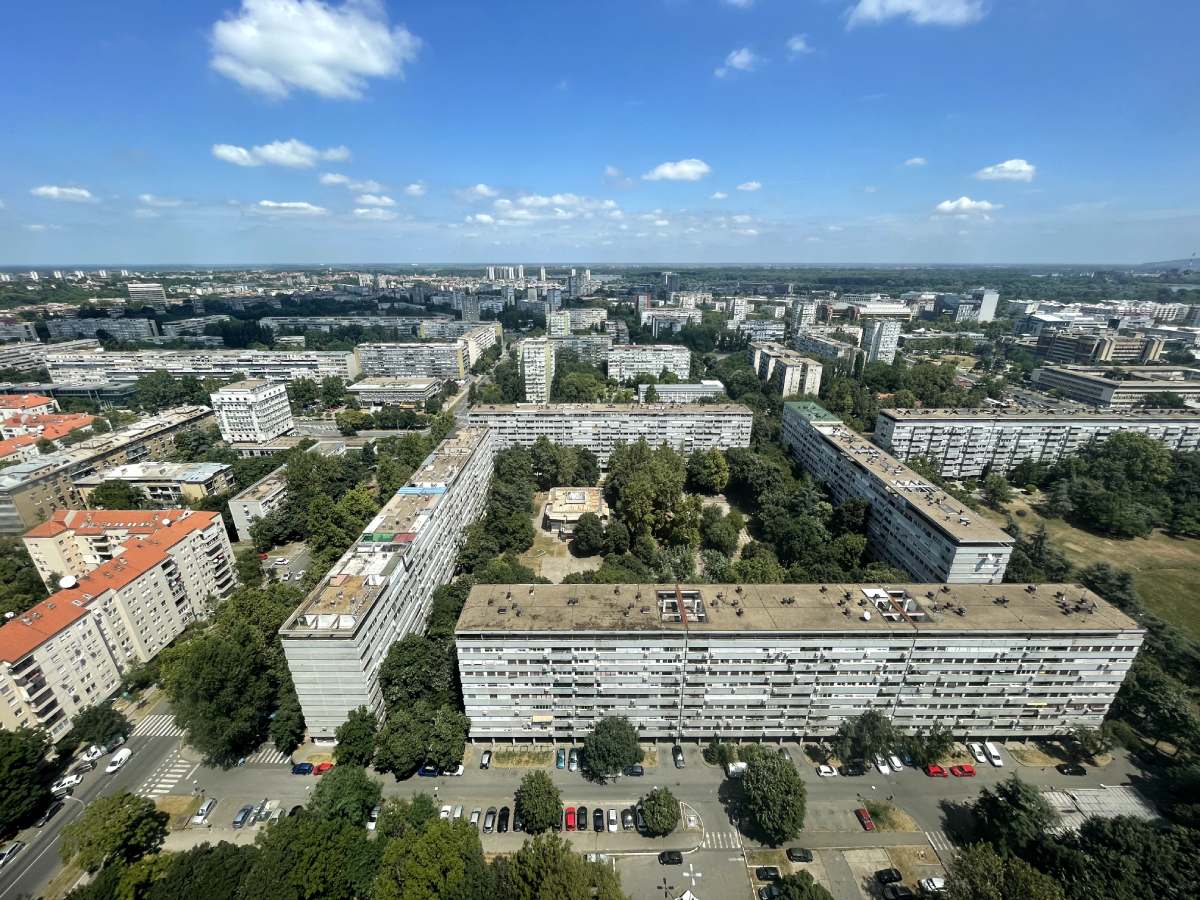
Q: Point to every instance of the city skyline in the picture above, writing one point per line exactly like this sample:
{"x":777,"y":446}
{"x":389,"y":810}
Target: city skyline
{"x":847,"y":131}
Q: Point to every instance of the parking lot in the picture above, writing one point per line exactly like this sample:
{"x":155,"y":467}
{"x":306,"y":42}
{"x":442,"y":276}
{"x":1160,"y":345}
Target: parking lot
{"x":288,"y":563}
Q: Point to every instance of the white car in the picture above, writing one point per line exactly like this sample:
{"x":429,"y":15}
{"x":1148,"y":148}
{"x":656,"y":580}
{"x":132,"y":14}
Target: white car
{"x":977,"y":751}
{"x":612,"y":820}
{"x":935,"y":885}
{"x":881,"y":765}
{"x":118,"y":759}
{"x":826,"y":771}
{"x":203,"y":811}
{"x":65,"y":785}
{"x":92,"y":753}
{"x":458,"y":812}
{"x":457,"y":770}
{"x":446,"y":812}
{"x":373,"y":818}
{"x":895,"y":761}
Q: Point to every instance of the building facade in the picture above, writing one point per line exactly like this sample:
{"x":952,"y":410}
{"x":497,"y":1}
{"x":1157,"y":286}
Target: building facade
{"x":122,"y":329}
{"x":268,"y":365}
{"x":775,"y":662}
{"x":699,"y":392}
{"x":537,"y":368}
{"x":412,"y":393}
{"x":828,"y":348}
{"x":252,"y":410}
{"x":380,"y":590}
{"x":1119,"y":387}
{"x":799,"y":375}
{"x":628,"y":361}
{"x":433,"y":359}
{"x":164,"y":483}
{"x":259,"y":500}
{"x":881,"y":337}
{"x":912,"y":524}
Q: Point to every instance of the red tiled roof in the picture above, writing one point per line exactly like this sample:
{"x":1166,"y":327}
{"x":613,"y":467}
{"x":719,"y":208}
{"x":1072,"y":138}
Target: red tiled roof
{"x":53,"y":425}
{"x":25,"y":633}
{"x":98,"y":521}
{"x":12,"y":445}
{"x":24,"y":401}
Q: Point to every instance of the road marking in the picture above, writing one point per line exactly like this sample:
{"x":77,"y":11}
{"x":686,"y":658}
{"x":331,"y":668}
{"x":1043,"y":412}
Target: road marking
{"x":165,"y":777}
{"x":158,"y":725}
{"x":267,"y":755}
{"x":942,"y":846}
{"x":722,"y":840}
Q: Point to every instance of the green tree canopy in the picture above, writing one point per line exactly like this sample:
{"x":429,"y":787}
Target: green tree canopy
{"x":356,"y":738}
{"x":660,"y":810}
{"x":547,"y":867}
{"x":98,"y":724}
{"x":980,"y":873}
{"x":24,"y":776}
{"x":346,"y":792}
{"x":1014,"y":815}
{"x":775,"y":796}
{"x":864,"y":736}
{"x":444,"y":859}
{"x":588,"y":539}
{"x":118,"y":827}
{"x":800,"y":886}
{"x":611,"y":747}
{"x":707,"y":471}
{"x":305,"y":857}
{"x":406,"y":814}
{"x":538,"y":802}
{"x":117,"y":494}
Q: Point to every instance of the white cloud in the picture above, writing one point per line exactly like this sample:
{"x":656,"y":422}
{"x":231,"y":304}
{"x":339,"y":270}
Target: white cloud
{"x":291,"y":207}
{"x":616,"y":177}
{"x":335,"y":178}
{"x":749,"y":232}
{"x":682,"y":170}
{"x":416,"y":189}
{"x":69,"y":194}
{"x":742,"y":219}
{"x":479,"y":192}
{"x":159,"y":202}
{"x":375,"y":214}
{"x":1009,"y":170}
{"x":612,"y":172}
{"x":480,"y":219}
{"x":719,"y":195}
{"x":275,"y":46}
{"x":750,"y":186}
{"x":292,"y":154}
{"x":39,"y":228}
{"x":798,"y":45}
{"x":1,"y":204}
{"x":919,"y":12}
{"x":916,"y":161}
{"x":964,"y":205}
{"x":742,"y":59}
{"x":661,"y":223}
{"x":374,"y":200}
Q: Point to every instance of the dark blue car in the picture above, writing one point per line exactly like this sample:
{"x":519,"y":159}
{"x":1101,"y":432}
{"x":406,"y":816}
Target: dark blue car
{"x":302,"y":769}
{"x":428,"y":771}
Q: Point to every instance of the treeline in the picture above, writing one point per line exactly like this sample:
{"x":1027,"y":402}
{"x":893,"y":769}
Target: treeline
{"x":1125,"y":486}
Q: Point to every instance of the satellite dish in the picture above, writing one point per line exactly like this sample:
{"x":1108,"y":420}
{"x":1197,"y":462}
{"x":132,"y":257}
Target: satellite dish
{"x":166,"y":522}
{"x":866,"y":615}
{"x":68,"y":581}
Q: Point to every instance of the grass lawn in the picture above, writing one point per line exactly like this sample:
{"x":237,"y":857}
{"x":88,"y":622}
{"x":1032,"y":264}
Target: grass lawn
{"x":522,"y":758}
{"x":889,"y":817}
{"x":1164,"y":568}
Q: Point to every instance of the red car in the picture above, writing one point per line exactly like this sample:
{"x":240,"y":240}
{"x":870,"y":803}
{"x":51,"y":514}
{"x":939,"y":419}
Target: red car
{"x":964,"y":771}
{"x":570,"y":818}
{"x":322,"y":768}
{"x":864,"y":819}
{"x":934,"y":771}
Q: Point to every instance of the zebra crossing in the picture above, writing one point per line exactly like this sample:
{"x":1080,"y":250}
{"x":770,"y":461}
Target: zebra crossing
{"x":722,"y":840}
{"x":267,"y":755}
{"x":170,"y":772}
{"x":158,"y":725}
{"x":942,"y":845}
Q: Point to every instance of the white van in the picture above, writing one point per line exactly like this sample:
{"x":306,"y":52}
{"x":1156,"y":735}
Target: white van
{"x":736,"y":769}
{"x":118,"y":759}
{"x":993,"y":754}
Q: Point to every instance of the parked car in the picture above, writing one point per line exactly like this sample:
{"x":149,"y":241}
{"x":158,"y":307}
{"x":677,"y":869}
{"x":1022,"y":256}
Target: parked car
{"x":977,"y":751}
{"x":935,"y":771}
{"x":889,"y":876}
{"x":502,"y":821}
{"x":993,"y":754}
{"x":769,"y":892}
{"x":826,"y":771}
{"x":627,"y":819}
{"x":82,"y":766}
{"x":560,"y":758}
{"x":92,"y":753}
{"x":48,"y":813}
{"x":373,"y":817}
{"x":458,"y":812}
{"x":932,"y":886}
{"x":476,"y":815}
{"x":852,"y":770}
{"x":243,"y":816}
{"x":8,"y":850}
{"x":454,"y":771}
{"x":898,"y":892}
{"x":581,"y":820}
{"x":799,"y":855}
{"x":202,"y":813}
{"x":864,"y":819}
{"x":302,"y":769}
{"x":639,"y":820}
{"x":767,"y":873}
{"x":65,"y":785}
{"x":573,"y":759}
{"x":966,"y":770}
{"x":118,"y":759}
{"x":445,"y":811}
{"x":295,"y":810}
{"x":598,"y":819}
{"x":485,"y":761}
{"x":518,"y":819}
{"x":635,"y":771}
{"x":895,"y":761}
{"x":671,"y":858}
{"x":1071,"y":769}
{"x":570,"y":826}
{"x":428,"y":771}
{"x":677,"y":756}
{"x":489,"y":820}
{"x":612,"y":820}
{"x":322,"y":768}
{"x":882,"y":766}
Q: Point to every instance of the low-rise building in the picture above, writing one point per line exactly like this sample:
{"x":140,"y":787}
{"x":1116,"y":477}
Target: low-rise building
{"x":412,"y":393}
{"x":1069,"y":347}
{"x":912,"y":524}
{"x":788,"y":661}
{"x":565,"y":505}
{"x":705,"y":391}
{"x":600,"y":427}
{"x":967,"y":443}
{"x":1118,"y":386}
{"x":70,"y":651}
{"x":252,"y":410}
{"x":380,"y":590}
{"x":26,"y":405}
{"x":50,"y":426}
{"x":17,"y":330}
{"x":259,"y":500}
{"x":626,"y":362}
{"x":799,"y":375}
{"x":18,"y":449}
{"x":164,"y":483}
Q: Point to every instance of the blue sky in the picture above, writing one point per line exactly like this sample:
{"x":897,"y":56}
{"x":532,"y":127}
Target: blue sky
{"x":629,"y":130}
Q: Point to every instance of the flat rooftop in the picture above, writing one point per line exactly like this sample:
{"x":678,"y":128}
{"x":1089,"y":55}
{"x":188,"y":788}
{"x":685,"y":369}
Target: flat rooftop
{"x":186,"y":473}
{"x":1135,"y":375}
{"x":573,"y":501}
{"x":1085,"y":413}
{"x":784,"y":354}
{"x":248,"y":384}
{"x":264,"y":487}
{"x":640,"y":409}
{"x":383,"y":383}
{"x":905,"y":609}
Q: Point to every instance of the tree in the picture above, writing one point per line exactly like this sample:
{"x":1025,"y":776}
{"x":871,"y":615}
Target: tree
{"x":651,"y":395}
{"x":116,"y":494}
{"x":616,"y":539}
{"x":546,"y":866}
{"x":980,"y":873}
{"x":98,"y":725}
{"x":707,"y":471}
{"x":22,"y":585}
{"x":45,"y":445}
{"x":1088,"y":742}
{"x":448,"y":737}
{"x":287,"y":727}
{"x":118,"y":827}
{"x":417,"y":668}
{"x":356,"y":738}
{"x":996,"y":491}
{"x":346,"y":792}
{"x":443,"y":860}
{"x":611,"y":747}
{"x":660,"y":810}
{"x":800,"y":886}
{"x":774,"y":796}
{"x":412,"y":813}
{"x":929,"y":746}
{"x":24,"y":776}
{"x":404,"y":740}
{"x":588,"y":539}
{"x":211,"y":872}
{"x":538,"y":802}
{"x":864,"y":736}
{"x":1014,"y":815}
{"x":306,"y":856}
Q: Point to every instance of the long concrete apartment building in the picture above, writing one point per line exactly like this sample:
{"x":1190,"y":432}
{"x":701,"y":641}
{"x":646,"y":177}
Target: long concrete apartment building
{"x":966,"y":443}
{"x":69,"y":651}
{"x":600,"y":427}
{"x":912,"y":523}
{"x":799,"y":374}
{"x":380,"y":590}
{"x":1119,"y":387}
{"x":268,"y":365}
{"x":627,"y":361}
{"x":31,"y":491}
{"x":788,"y":661}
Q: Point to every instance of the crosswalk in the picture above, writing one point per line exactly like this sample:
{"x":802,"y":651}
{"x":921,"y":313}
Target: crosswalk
{"x":158,"y":725}
{"x":267,"y":755}
{"x":942,"y":845}
{"x":722,"y":840}
{"x":170,"y":772}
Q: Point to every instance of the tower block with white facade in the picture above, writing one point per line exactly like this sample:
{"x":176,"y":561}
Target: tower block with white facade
{"x":253,"y":410}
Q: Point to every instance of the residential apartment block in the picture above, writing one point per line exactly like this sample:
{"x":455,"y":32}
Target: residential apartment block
{"x":122,"y":329}
{"x":536,"y":358}
{"x":269,"y":365}
{"x":788,"y":661}
{"x":966,"y":443}
{"x":380,"y":590}
{"x":31,"y":491}
{"x":824,"y":346}
{"x":451,"y":358}
{"x":1070,"y":347}
{"x":799,"y":375}
{"x":881,"y":338}
{"x":164,"y":483}
{"x":758,"y":329}
{"x":912,"y":524}
{"x":628,"y":361}
{"x":591,"y":348}
{"x":261,"y":499}
{"x":375,"y":393}
{"x":1120,"y":387}
{"x":704,"y":391}
{"x":252,"y":410}
{"x":600,"y":427}
{"x":28,"y":355}
{"x":69,"y":651}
